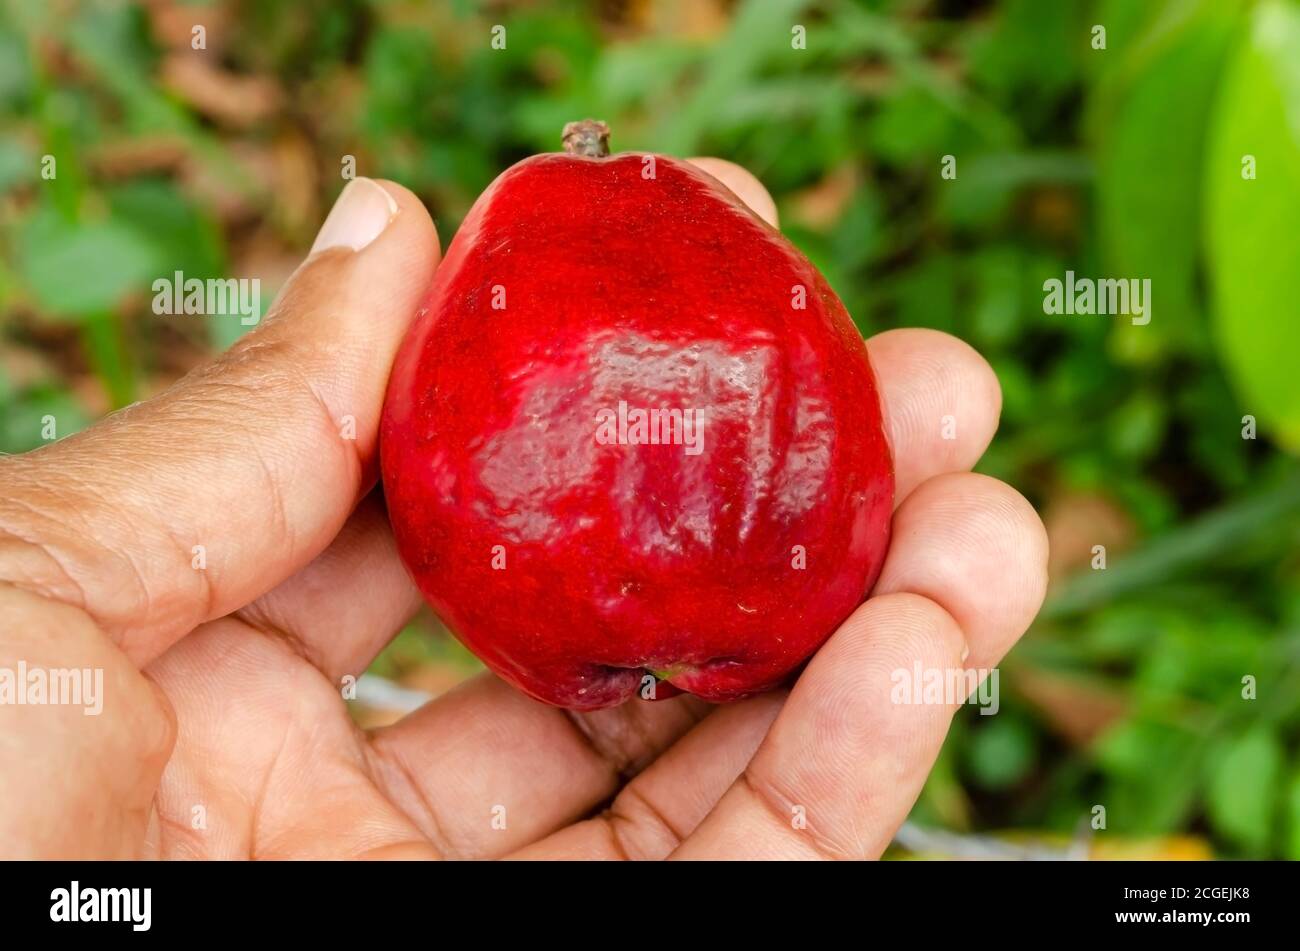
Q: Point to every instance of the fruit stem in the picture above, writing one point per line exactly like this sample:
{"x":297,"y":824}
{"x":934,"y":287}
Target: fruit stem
{"x":589,"y":137}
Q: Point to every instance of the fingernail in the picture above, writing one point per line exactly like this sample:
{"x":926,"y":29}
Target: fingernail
{"x":360,"y":215}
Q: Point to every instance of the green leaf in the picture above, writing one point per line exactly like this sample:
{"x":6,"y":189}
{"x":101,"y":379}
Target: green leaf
{"x":1151,"y":117}
{"x":23,"y":421}
{"x":630,"y":73}
{"x":997,"y":282}
{"x":74,"y":268}
{"x":926,"y":294}
{"x":1250,"y":224}
{"x":1001,"y":753}
{"x":15,"y":67}
{"x":18,"y":163}
{"x":1136,"y":428}
{"x":1152,"y":768}
{"x":1034,"y":50}
{"x":986,"y":184}
{"x":103,"y":339}
{"x":1203,"y":540}
{"x":912,"y":124}
{"x":1292,"y":847}
{"x":186,"y":238}
{"x":112,"y":41}
{"x":1125,"y":23}
{"x":1242,"y":794}
{"x":759,"y":29}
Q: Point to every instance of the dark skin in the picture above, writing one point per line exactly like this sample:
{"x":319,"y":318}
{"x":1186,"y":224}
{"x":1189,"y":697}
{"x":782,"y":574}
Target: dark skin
{"x":223,"y":732}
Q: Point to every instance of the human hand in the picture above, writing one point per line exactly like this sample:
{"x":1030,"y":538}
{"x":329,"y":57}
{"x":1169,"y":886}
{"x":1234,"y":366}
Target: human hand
{"x":223,"y":733}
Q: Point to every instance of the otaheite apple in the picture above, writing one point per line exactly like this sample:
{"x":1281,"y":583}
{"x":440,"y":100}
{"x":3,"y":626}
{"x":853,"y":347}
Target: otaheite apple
{"x":632,"y":444}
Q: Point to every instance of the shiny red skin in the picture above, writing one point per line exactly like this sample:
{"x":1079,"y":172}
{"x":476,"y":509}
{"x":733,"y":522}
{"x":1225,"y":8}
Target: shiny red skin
{"x":662,"y":292}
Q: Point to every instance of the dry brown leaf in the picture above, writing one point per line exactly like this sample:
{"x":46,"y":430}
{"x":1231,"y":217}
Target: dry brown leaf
{"x":236,"y":194}
{"x":22,"y":367}
{"x":296,"y":178}
{"x":125,"y":158}
{"x":688,"y":19}
{"x":1077,"y":708}
{"x":173,"y":23}
{"x":92,"y":394}
{"x":373,"y":718}
{"x":434,"y":679}
{"x":226,"y":97}
{"x":820,"y":206}
{"x":873,"y":79}
{"x":1076,"y":522}
{"x":1054,"y":212}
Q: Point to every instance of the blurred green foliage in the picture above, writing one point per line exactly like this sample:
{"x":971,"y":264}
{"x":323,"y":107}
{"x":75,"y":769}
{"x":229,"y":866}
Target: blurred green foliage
{"x":1123,"y":162}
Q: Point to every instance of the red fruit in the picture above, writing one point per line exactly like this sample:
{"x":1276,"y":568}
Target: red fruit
{"x":568,"y":552}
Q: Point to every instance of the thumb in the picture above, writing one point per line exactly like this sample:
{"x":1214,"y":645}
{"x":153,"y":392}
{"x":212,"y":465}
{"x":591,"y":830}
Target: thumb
{"x":188,"y":506}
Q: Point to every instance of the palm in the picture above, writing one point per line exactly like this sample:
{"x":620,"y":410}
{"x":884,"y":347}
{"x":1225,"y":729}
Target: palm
{"x":268,"y":763}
